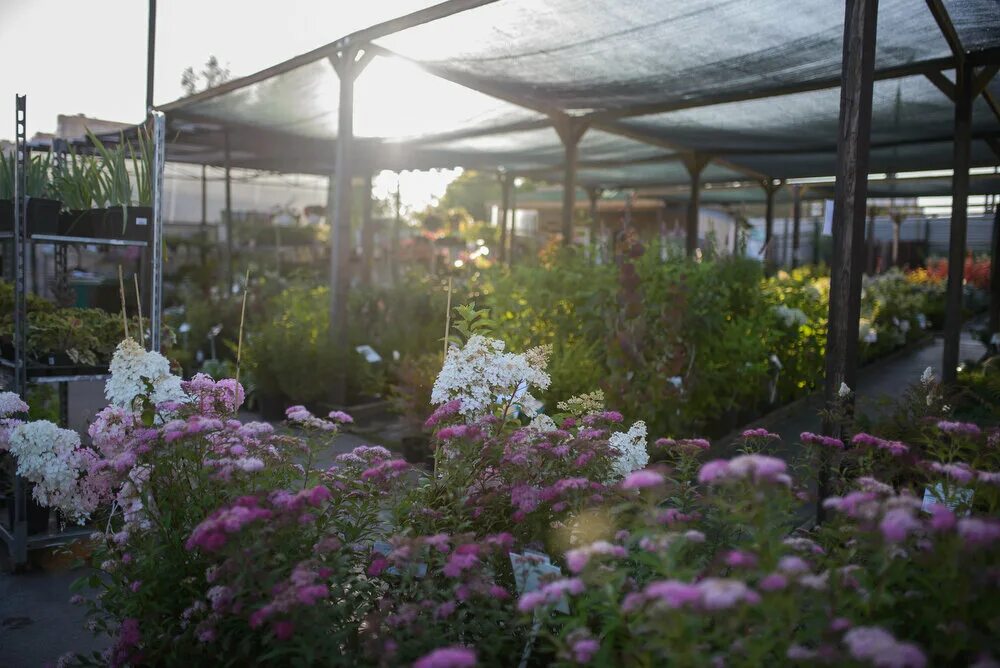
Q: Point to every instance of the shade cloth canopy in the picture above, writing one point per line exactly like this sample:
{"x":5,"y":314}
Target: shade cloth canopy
{"x":753,"y":84}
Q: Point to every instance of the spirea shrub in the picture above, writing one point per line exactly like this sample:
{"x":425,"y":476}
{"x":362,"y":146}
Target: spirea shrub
{"x":565,"y":541}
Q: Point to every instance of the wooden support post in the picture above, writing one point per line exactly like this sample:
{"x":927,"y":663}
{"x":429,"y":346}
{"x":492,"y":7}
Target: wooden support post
{"x":229,"y":218}
{"x":770,"y":252}
{"x":594,"y":194}
{"x":796,"y":223}
{"x":959,"y":220}
{"x":848,"y":218}
{"x":203,"y":248}
{"x":509,"y":251}
{"x":505,"y":186}
{"x":348,"y":63}
{"x":570,"y":131}
{"x":367,"y":232}
{"x":870,"y":261}
{"x":695,"y":164}
{"x":995,"y":274}
{"x":897,"y":225}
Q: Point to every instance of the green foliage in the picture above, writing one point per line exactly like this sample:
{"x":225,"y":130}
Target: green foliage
{"x":36,"y":176}
{"x":468,"y":322}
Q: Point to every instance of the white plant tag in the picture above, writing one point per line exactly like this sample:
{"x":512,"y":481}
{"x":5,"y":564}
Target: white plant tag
{"x":960,"y":496}
{"x":140,"y":221}
{"x":369,"y":354}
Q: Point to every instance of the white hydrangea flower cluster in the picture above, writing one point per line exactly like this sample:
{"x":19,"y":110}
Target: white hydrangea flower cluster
{"x":132,"y":366}
{"x":481,"y":374}
{"x":631,"y":447}
{"x":792,"y":317}
{"x":47,"y":456}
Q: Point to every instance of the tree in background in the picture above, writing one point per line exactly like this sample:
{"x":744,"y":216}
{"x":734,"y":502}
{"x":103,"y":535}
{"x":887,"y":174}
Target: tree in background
{"x":211,"y":76}
{"x":471,"y":191}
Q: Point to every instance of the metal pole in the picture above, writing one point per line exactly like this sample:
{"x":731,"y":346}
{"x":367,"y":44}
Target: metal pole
{"x":959,"y":219}
{"x":570,"y":132}
{"x":797,"y":222}
{"x":348,"y":67}
{"x":229,"y":216}
{"x":397,"y":225}
{"x":854,"y":138}
{"x":695,"y":164}
{"x":367,"y":232}
{"x":19,"y":548}
{"x":509,"y":251}
{"x":204,"y":214}
{"x":995,"y":274}
{"x":150,"y":55}
{"x":505,"y":185}
{"x":770,"y":255}
{"x":159,"y":162}
{"x":870,"y":261}
{"x":897,"y":224}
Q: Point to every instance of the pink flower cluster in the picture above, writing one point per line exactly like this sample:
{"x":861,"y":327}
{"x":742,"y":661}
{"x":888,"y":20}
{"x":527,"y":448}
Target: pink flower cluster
{"x":684,"y":445}
{"x":755,"y":468}
{"x":760,"y":434}
{"x":550,"y":594}
{"x":578,"y":559}
{"x":212,"y":533}
{"x":642,"y":479}
{"x":443,"y":412}
{"x":894,"y":448}
{"x":959,"y":428}
{"x":877,"y":646}
{"x":448,"y":657}
{"x":304,"y":587}
{"x":217,"y":398}
{"x":302,"y":417}
{"x":710,"y":594}
{"x":810,"y":438}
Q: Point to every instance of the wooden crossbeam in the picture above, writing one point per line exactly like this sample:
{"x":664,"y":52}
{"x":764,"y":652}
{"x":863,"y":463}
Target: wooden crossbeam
{"x":943,"y":19}
{"x":943,"y":83}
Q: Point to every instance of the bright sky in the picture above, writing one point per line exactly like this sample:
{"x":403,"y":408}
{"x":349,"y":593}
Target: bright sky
{"x":89,"y":56}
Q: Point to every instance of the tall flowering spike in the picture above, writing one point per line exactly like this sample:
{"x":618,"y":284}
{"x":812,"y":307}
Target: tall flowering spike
{"x":138,"y":372}
{"x":482,"y":375}
{"x":631,"y":448}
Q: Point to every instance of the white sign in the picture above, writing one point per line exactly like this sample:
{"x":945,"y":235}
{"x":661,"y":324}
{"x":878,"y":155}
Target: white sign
{"x":529,"y":570}
{"x":828,"y":218}
{"x":960,"y":496}
{"x":369,"y":353}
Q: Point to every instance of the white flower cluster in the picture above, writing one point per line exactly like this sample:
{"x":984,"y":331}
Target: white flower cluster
{"x":631,"y":448}
{"x":584,"y":404}
{"x":481,"y":374}
{"x":47,"y":456}
{"x":11,"y":403}
{"x":134,"y":370}
{"x":792,"y":317}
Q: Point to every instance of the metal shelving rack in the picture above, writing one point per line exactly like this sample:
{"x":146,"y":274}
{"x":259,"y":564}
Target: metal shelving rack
{"x":16,"y":538}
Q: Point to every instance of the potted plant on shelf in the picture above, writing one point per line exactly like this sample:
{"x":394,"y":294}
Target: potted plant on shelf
{"x":42,"y":211}
{"x":129,"y":194}
{"x":77,"y":180}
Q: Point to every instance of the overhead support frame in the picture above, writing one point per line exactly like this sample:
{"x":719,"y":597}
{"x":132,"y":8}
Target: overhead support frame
{"x":695,"y":164}
{"x":570,"y":131}
{"x":854,"y":135}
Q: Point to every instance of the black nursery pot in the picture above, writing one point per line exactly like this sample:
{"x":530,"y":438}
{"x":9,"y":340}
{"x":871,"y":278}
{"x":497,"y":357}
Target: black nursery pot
{"x":132,"y":223}
{"x":87,"y":223}
{"x":43,"y":215}
{"x":38,"y":515}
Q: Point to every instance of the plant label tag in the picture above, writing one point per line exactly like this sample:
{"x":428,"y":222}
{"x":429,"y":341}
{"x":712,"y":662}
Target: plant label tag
{"x":369,"y":354}
{"x":828,"y":218}
{"x":531,"y":569}
{"x":960,"y":496}
{"x":140,"y":221}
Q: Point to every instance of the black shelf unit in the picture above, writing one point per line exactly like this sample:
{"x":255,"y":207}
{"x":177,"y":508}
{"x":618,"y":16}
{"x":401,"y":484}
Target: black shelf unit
{"x":19,"y":372}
